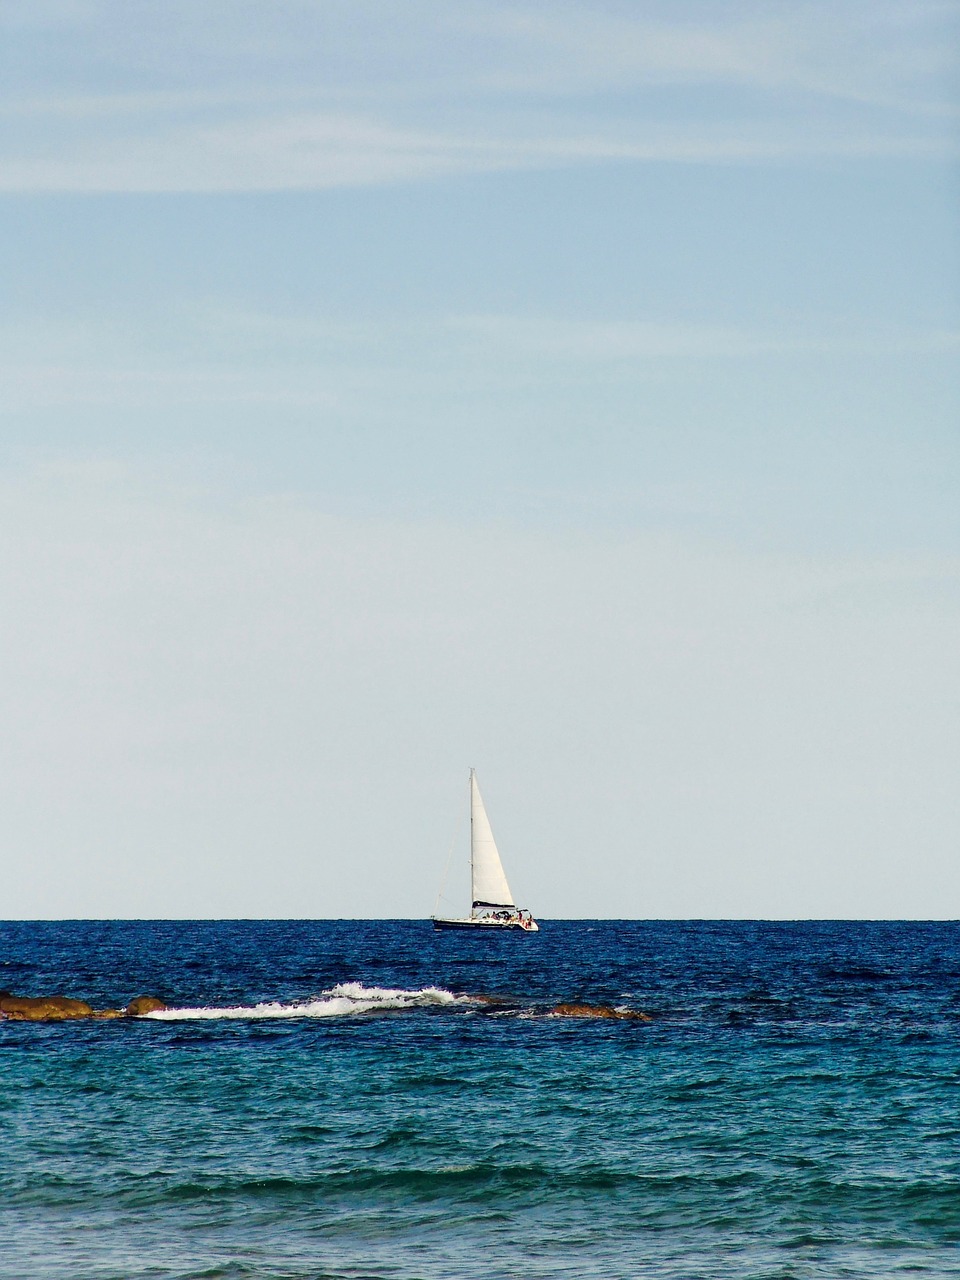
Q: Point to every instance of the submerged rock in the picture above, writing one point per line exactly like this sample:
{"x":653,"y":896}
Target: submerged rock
{"x":597,"y":1011}
{"x":60,"y":1008}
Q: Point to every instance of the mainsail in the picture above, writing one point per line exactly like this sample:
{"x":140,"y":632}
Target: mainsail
{"x":490,"y":888}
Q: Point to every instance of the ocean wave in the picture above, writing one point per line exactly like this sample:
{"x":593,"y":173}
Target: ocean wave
{"x":464,"y":1181}
{"x":341,"y":1001}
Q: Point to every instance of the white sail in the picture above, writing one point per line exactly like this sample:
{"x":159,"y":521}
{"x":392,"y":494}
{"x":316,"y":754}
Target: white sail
{"x":490,"y":888}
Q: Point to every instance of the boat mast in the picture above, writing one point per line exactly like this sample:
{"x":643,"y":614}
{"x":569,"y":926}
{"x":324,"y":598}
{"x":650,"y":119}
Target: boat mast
{"x":473,"y":911}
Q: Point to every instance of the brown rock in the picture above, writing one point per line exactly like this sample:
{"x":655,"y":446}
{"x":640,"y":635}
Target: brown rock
{"x":144,"y":1004}
{"x":43,"y":1008}
{"x":59,"y":1008}
{"x":597,"y":1011}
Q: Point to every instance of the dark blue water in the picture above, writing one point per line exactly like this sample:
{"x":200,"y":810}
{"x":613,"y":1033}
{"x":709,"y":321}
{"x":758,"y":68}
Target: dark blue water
{"x":792,"y":1109}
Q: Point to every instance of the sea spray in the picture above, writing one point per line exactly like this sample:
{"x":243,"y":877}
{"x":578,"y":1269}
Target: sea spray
{"x":341,"y":1001}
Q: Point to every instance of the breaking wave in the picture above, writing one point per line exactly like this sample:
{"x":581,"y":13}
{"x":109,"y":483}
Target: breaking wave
{"x":340,"y":1001}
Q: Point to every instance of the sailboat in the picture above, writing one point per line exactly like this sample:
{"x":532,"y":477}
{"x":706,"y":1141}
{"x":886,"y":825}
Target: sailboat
{"x":493,"y":905}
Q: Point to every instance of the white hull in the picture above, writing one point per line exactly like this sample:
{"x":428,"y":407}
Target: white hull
{"x":486,"y":922}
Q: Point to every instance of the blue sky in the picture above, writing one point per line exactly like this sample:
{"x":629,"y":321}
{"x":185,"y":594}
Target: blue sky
{"x":569,"y":391}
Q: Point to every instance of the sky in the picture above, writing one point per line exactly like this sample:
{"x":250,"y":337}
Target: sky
{"x":568,"y":391}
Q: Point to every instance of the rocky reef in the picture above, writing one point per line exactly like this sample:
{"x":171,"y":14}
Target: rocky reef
{"x":569,"y":1009}
{"x":597,"y":1011}
{"x":62,"y":1008}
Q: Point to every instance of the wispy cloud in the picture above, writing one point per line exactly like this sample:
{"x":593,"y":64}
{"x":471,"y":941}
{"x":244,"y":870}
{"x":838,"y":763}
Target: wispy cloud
{"x":570,"y":47}
{"x":313,"y":151}
{"x":885,"y":52}
{"x":599,"y":341}
{"x":614,"y":341}
{"x":382,"y":371}
{"x":304,"y":98}
{"x":261,"y":153}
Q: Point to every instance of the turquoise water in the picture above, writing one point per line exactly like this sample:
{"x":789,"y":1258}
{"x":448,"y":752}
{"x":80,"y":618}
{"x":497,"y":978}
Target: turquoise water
{"x":792,"y":1109}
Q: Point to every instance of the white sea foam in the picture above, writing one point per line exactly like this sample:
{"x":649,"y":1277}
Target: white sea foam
{"x":340,"y":1001}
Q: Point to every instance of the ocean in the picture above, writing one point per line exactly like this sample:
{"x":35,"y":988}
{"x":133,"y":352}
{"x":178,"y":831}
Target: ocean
{"x":333,"y":1099}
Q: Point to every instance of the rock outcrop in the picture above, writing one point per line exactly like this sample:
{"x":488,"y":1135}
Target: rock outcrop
{"x":144,"y":1004}
{"x":597,"y":1011}
{"x":43,"y":1008}
{"x":61,"y":1008}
